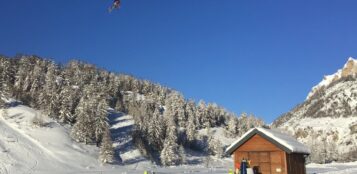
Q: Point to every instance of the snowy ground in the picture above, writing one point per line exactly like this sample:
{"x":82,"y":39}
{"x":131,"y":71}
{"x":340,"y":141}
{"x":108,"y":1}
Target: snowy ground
{"x":25,"y":148}
{"x":333,"y":168}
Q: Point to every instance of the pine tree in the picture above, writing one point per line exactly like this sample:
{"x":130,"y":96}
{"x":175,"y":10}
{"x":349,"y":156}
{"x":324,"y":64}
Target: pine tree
{"x":215,"y":147}
{"x":83,"y":129}
{"x":191,"y":124}
{"x":53,"y":109}
{"x":170,"y":153}
{"x":156,"y":130}
{"x":50,"y":87}
{"x":101,"y":120}
{"x":200,"y":114}
{"x":232,"y":126}
{"x":209,"y":116}
{"x":37,"y":77}
{"x":182,"y":155}
{"x":67,"y":103}
{"x":107,"y":149}
{"x":6,"y":77}
{"x":175,"y":107}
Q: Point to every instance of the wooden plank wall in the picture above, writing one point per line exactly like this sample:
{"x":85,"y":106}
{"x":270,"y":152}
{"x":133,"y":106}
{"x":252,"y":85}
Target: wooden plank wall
{"x":258,"y":143}
{"x":296,"y":163}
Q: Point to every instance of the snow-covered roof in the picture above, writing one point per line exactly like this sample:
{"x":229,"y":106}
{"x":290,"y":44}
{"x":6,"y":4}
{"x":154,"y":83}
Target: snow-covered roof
{"x":283,"y":141}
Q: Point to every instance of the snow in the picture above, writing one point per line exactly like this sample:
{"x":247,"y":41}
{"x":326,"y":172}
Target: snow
{"x":332,"y":168}
{"x":328,"y":79}
{"x":121,"y":127}
{"x":286,"y":140}
{"x":27,"y":148}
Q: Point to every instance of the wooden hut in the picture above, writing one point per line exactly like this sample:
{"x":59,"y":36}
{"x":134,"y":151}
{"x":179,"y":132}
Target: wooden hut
{"x":270,"y":152}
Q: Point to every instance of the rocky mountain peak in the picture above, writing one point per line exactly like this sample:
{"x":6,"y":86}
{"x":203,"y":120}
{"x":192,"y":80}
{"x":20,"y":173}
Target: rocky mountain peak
{"x":349,"y":69}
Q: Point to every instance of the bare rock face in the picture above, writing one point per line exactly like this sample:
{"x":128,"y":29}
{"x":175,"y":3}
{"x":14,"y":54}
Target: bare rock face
{"x":350,"y":68}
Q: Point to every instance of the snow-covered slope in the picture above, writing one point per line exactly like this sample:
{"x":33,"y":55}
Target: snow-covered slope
{"x":327,"y":120}
{"x":26,"y":148}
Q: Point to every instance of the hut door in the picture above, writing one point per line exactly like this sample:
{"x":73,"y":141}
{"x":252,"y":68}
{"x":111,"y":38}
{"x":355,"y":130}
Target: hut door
{"x":260,"y":161}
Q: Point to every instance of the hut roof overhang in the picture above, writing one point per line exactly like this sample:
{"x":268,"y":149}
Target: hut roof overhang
{"x":283,"y":141}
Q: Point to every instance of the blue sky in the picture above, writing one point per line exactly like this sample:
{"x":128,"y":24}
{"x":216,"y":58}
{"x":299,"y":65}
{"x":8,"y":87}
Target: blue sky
{"x":260,"y":57}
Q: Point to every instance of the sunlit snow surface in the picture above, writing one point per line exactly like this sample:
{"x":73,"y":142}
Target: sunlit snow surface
{"x":333,"y":168}
{"x":26,"y":149}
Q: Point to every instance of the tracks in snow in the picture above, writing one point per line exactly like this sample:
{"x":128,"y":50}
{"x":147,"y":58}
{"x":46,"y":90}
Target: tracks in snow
{"x":17,"y":143}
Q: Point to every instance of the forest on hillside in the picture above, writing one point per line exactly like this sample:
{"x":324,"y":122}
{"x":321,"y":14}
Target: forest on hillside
{"x":79,"y":94}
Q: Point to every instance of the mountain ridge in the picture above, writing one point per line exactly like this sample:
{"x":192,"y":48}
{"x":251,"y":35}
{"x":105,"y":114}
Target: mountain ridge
{"x":327,"y":120}
{"x":349,"y":69}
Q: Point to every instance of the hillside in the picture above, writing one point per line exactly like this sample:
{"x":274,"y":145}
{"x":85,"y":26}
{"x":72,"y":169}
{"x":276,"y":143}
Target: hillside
{"x":327,"y":120}
{"x":27,"y":148}
{"x":164,"y":127}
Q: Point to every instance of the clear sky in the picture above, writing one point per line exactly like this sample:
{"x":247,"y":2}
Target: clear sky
{"x":255,"y":56}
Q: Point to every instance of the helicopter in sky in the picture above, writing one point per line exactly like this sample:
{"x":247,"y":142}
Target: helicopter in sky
{"x":116,"y":5}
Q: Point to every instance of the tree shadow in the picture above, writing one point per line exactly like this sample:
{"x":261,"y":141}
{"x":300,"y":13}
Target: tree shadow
{"x":123,"y":136}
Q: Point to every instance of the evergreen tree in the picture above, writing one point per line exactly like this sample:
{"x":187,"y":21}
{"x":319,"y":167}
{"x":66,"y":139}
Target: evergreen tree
{"x":210,"y":115}
{"x":175,"y":107}
{"x":83,"y":129}
{"x":106,"y":149}
{"x":170,"y":153}
{"x":6,"y":76}
{"x":50,"y":87}
{"x":156,"y":130}
{"x":191,"y":124}
{"x":67,"y":104}
{"x":201,"y":115}
{"x":232,"y":126}
{"x":101,"y":120}
{"x":182,"y":155}
{"x":53,"y":109}
{"x":215,"y":147}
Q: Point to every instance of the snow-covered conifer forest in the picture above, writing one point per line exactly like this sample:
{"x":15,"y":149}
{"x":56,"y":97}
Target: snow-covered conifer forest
{"x":81,"y":96}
